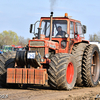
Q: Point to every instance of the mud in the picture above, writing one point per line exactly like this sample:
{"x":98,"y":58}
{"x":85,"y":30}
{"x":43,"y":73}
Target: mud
{"x":46,"y":93}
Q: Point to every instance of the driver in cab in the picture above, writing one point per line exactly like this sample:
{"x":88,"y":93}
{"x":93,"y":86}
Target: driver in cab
{"x":60,"y":32}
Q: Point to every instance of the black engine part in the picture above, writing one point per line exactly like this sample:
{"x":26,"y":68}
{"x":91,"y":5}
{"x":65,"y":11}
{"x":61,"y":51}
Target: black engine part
{"x":22,"y":58}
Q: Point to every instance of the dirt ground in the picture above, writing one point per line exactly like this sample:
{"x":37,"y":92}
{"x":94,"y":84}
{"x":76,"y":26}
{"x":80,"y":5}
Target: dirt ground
{"x":46,"y":93}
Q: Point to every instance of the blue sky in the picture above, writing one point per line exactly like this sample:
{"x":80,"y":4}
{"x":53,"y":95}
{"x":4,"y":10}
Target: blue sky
{"x":17,"y":15}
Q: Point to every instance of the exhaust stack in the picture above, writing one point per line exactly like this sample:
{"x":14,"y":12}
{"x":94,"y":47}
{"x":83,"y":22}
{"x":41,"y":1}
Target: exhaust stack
{"x":51,"y":16}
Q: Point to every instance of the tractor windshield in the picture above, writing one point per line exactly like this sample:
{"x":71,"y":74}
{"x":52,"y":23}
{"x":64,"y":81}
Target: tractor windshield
{"x":59,"y":28}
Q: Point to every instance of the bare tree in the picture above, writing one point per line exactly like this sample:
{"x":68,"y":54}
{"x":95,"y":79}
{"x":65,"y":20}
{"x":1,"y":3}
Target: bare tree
{"x":94,"y":38}
{"x":23,"y":41}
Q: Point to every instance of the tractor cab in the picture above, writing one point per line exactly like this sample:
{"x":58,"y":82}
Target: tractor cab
{"x":59,"y":28}
{"x":63,"y":30}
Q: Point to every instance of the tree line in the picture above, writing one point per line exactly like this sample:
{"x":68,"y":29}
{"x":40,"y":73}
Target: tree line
{"x":94,"y":37}
{"x":11,"y":38}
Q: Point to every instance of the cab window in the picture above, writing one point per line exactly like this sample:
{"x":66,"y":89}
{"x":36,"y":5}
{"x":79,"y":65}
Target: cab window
{"x":58,"y":25}
{"x":71,"y":30}
{"x":78,"y":29}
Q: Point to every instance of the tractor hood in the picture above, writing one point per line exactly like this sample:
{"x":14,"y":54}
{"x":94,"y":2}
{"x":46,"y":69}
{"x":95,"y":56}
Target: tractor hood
{"x":43,"y":43}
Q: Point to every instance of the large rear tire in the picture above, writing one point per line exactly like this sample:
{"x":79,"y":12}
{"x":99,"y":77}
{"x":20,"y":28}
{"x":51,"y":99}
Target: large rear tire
{"x":5,"y":62}
{"x":62,"y":71}
{"x":90,"y":71}
{"x":78,"y":51}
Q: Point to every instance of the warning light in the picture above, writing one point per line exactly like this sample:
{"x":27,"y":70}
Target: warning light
{"x":66,"y":15}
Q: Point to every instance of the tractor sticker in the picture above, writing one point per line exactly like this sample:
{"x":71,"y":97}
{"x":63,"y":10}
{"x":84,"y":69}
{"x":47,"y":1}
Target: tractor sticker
{"x":52,"y":46}
{"x":30,"y":55}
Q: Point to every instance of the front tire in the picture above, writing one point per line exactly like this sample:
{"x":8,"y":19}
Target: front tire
{"x":62,"y":71}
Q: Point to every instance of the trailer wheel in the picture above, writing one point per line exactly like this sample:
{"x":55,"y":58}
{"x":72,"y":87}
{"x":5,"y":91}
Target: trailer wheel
{"x":90,"y":69}
{"x":5,"y":62}
{"x":62,"y":71}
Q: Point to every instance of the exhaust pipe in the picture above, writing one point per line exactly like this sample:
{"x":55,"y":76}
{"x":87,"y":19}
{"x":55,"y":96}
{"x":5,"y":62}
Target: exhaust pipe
{"x":51,"y":16}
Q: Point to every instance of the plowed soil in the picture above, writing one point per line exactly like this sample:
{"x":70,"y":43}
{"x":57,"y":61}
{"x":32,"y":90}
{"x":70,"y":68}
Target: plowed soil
{"x":46,"y":93}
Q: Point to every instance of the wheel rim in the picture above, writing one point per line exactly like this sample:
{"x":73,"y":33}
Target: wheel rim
{"x":95,"y":67}
{"x":70,"y":73}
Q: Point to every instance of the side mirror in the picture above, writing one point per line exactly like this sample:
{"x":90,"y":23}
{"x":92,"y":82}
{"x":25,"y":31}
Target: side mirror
{"x":84,"y":29}
{"x":31,"y":27}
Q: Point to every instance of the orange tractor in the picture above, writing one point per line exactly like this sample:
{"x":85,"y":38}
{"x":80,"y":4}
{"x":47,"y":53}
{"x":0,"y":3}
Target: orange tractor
{"x":58,"y":56}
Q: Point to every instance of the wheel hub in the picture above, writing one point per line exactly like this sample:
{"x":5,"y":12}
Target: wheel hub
{"x":70,"y":73}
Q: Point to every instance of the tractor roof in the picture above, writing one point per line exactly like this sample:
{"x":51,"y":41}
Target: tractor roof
{"x":61,"y":18}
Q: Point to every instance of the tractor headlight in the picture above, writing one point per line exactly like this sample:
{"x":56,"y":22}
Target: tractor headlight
{"x":47,"y":55}
{"x":66,"y":35}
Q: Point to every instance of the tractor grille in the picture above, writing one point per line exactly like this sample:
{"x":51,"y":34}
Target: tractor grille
{"x":36,"y":43}
{"x":40,"y":50}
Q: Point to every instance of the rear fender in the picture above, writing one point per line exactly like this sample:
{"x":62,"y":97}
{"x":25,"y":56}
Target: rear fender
{"x":83,"y":41}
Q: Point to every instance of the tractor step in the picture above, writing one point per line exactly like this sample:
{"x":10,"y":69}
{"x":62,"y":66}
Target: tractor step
{"x":27,"y":76}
